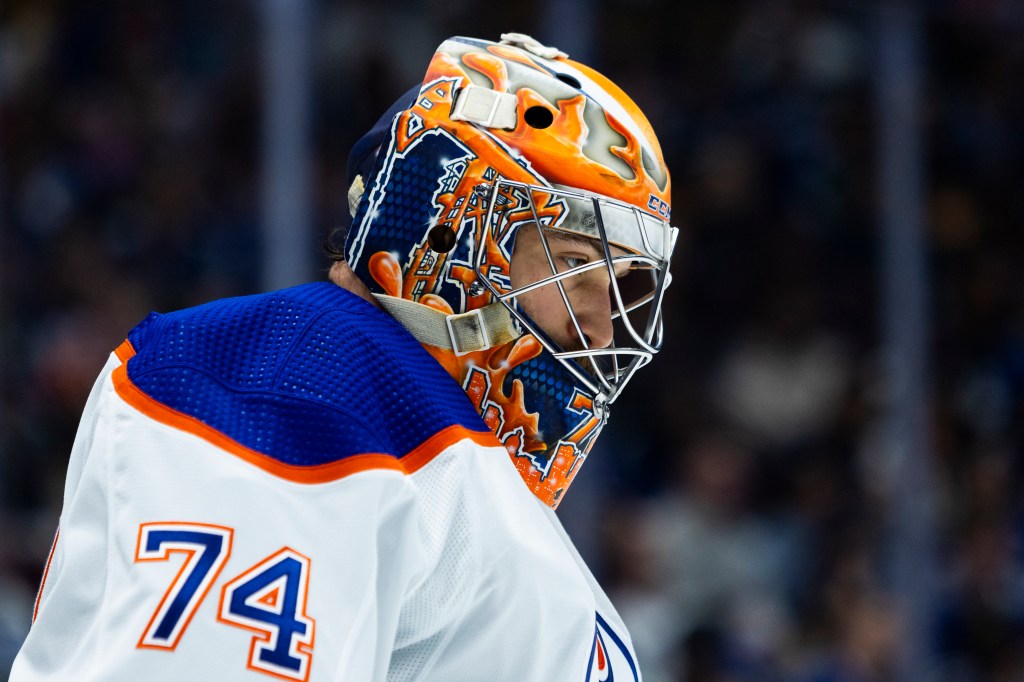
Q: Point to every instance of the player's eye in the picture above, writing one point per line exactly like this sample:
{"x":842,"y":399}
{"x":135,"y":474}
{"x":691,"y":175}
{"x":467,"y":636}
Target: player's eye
{"x":574,"y":262}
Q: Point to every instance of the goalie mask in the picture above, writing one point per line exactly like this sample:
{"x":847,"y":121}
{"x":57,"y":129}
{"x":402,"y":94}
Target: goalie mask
{"x":512,"y":213}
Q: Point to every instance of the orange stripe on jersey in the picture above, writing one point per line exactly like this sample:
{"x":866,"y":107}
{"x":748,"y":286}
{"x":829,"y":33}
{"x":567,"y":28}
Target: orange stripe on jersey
{"x":319,"y":473}
{"x":125,"y":351}
{"x":432,"y":446}
{"x":46,"y":573}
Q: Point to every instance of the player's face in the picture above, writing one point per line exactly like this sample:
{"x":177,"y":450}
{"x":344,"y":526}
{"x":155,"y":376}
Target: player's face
{"x":588,"y":292}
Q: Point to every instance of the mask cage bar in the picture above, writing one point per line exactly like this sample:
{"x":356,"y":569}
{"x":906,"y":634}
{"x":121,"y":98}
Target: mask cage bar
{"x":654,"y":319}
{"x":611,"y":383}
{"x":554,"y":271}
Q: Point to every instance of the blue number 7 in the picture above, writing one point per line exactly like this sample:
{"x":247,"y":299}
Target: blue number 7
{"x":206,"y":549}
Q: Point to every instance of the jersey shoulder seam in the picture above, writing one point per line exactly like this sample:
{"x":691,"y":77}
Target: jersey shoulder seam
{"x":406,"y":463}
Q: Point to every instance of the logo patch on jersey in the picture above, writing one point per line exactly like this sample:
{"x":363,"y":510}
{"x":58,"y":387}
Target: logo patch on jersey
{"x":611,"y":659}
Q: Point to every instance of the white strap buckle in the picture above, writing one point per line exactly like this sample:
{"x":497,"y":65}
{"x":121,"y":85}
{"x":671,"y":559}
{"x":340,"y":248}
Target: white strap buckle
{"x":468,"y":332}
{"x":532,"y":45}
{"x":486,"y":107}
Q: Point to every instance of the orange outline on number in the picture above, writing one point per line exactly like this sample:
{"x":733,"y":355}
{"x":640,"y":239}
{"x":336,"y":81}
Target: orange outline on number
{"x":303,"y":650}
{"x":194,"y":603}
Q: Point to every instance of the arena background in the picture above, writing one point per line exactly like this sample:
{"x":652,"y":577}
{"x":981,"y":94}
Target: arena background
{"x":819,"y":480}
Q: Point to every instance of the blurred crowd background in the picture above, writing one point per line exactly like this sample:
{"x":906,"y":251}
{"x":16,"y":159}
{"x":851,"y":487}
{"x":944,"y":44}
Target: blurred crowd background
{"x":738,"y":508}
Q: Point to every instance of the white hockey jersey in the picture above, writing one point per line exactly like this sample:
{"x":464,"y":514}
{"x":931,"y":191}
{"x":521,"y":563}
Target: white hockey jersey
{"x":287,"y":486}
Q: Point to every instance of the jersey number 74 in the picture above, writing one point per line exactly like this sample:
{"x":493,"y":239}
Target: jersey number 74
{"x":268,"y":598}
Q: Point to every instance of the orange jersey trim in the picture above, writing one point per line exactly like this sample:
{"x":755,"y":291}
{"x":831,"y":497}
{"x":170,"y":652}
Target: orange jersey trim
{"x":46,"y":574}
{"x":319,"y":473}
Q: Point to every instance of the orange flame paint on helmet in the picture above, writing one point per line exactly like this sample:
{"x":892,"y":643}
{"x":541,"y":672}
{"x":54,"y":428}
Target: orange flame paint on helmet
{"x":499,"y":136}
{"x":598,"y":139}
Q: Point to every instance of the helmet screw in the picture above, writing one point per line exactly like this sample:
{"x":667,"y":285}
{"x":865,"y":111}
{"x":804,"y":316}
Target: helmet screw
{"x":476,"y":288}
{"x":441,"y":239}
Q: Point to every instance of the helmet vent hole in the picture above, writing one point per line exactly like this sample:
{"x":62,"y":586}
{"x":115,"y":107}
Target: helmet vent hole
{"x":441,"y":239}
{"x":569,"y":80}
{"x":538,"y":117}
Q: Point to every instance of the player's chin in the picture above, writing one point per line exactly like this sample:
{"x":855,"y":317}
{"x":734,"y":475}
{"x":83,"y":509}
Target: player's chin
{"x":572,"y":346}
{"x":571,"y":343}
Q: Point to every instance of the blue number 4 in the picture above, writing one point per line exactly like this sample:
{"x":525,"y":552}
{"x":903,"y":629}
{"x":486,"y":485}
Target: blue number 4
{"x":270,"y":599}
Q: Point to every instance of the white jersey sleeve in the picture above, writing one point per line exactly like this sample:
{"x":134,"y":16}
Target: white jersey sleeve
{"x":174,"y":561}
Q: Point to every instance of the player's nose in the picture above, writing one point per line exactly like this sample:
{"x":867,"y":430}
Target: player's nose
{"x":593,"y":313}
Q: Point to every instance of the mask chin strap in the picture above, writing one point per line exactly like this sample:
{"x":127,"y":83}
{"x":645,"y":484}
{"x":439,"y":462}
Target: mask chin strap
{"x":486,"y":107}
{"x":476,"y":330}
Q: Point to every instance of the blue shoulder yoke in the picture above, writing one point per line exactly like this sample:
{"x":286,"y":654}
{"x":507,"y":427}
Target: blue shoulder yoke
{"x":308,"y":375}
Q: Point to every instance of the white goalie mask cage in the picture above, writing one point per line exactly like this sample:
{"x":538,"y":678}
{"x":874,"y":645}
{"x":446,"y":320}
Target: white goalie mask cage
{"x":633,"y":249}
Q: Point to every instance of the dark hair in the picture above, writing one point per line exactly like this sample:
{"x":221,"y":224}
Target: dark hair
{"x":362,"y":163}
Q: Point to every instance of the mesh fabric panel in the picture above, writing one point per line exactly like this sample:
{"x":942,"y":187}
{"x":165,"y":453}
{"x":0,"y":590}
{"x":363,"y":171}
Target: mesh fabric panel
{"x":307,"y":375}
